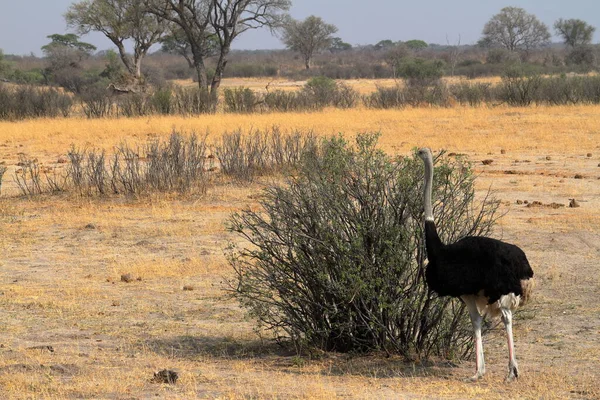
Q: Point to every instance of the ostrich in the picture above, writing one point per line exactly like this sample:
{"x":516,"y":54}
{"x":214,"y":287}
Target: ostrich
{"x":490,"y":276}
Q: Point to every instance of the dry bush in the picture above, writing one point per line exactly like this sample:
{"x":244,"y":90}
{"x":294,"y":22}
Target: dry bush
{"x":31,"y":102}
{"x":2,"y":172}
{"x":244,"y":157}
{"x":177,"y":165}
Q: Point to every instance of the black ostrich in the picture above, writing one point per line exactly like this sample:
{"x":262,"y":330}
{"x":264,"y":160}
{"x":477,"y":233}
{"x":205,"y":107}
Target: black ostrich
{"x":490,"y":276}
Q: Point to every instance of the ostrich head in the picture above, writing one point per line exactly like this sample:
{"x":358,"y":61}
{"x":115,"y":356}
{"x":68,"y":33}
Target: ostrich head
{"x":425,"y":154}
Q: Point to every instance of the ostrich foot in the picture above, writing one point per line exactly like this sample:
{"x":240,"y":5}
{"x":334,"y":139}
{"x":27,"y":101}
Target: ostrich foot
{"x":513,"y":372}
{"x":474,"y":378}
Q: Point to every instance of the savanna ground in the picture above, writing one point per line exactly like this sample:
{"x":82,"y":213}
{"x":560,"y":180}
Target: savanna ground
{"x":70,"y":328}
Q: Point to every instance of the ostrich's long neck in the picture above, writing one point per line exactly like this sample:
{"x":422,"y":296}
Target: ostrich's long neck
{"x":432,"y":239}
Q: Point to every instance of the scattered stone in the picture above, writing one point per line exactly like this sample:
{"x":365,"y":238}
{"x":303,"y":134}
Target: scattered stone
{"x":578,"y":176}
{"x":589,"y":154}
{"x":115,"y":303}
{"x":126,"y":278}
{"x":62,"y":160}
{"x":573,"y":203}
{"x":502,"y":151}
{"x":90,"y":226}
{"x":487,"y":162}
{"x":519,"y":201}
{"x":188,"y":288}
{"x":555,"y":205}
{"x":42,"y":347}
{"x":549,"y":205}
{"x":165,"y":376}
{"x":535,"y":203}
{"x":548,"y":158}
{"x":139,"y":279}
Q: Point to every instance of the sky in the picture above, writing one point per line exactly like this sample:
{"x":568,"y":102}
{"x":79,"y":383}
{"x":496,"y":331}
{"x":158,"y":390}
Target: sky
{"x":24,"y":24}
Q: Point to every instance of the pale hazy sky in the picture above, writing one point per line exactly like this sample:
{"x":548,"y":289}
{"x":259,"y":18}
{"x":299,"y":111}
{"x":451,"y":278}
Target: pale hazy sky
{"x":24,"y":24}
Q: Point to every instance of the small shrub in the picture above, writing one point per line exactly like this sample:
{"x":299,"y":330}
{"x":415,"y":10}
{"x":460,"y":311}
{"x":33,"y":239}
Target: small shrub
{"x":244,"y":157}
{"x":32,"y":102}
{"x":28,"y":177}
{"x":241,"y":100}
{"x":133,"y":105}
{"x":385,"y":98}
{"x":162,"y":101}
{"x":471,"y":94}
{"x":519,"y":87}
{"x":193,"y":101}
{"x":335,"y":257}
{"x":2,"y":172}
{"x":581,"y":55}
{"x":421,"y":72}
{"x":96,"y":102}
{"x":287,"y":101}
{"x":321,"y":89}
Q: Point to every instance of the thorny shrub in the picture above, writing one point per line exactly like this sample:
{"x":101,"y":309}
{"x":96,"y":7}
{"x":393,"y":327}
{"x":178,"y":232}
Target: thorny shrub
{"x":334,"y":258}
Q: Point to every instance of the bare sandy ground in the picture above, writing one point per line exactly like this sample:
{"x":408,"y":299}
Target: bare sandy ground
{"x":71,"y":328}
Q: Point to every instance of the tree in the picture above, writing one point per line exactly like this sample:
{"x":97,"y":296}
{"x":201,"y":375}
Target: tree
{"x":514,"y":29}
{"x":175,"y":42}
{"x":384,"y":44}
{"x":203,"y":21}
{"x":337,"y":44}
{"x":64,"y":55}
{"x":70,"y":41}
{"x":4,"y":67}
{"x":308,"y":37}
{"x":119,"y":21}
{"x":574,"y":32}
{"x":395,"y":55}
{"x":416,"y":44}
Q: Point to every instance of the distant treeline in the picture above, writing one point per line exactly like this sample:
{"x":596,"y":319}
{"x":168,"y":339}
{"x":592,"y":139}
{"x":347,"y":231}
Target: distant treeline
{"x":516,"y":88}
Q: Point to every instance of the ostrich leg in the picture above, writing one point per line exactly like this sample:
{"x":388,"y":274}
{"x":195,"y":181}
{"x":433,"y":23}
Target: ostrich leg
{"x":513,"y":368}
{"x":476,"y":320}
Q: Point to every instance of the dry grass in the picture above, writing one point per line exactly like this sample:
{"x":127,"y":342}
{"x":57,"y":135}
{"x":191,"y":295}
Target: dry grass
{"x":62,"y":259}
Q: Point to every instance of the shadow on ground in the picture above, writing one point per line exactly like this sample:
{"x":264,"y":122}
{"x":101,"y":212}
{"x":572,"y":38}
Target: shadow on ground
{"x":285,"y":358}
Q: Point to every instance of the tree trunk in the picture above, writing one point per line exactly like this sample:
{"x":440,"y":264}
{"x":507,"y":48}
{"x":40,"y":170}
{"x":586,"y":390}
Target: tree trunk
{"x":307,"y":62}
{"x":201,"y":74}
{"x":216,"y":81}
{"x":129,"y":65}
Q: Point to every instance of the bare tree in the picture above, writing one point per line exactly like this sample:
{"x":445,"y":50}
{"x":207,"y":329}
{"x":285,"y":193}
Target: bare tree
{"x":119,"y":21}
{"x":574,"y":32}
{"x":454,"y":55}
{"x":395,"y":55}
{"x":203,"y":21}
{"x":308,"y":37}
{"x":515,"y":29}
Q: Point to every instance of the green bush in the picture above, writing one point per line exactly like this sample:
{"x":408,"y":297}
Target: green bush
{"x":519,"y":86}
{"x":241,"y":100}
{"x":335,"y":256}
{"x":321,"y":89}
{"x":421,"y":72}
{"x":471,"y":94}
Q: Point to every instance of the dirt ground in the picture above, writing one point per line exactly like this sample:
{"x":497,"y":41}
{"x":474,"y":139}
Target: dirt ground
{"x":72,"y":328}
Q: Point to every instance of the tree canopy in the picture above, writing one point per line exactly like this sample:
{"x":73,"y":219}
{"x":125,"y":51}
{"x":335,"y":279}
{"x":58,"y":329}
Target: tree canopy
{"x":308,"y":37}
{"x":574,"y":32}
{"x":119,"y":20}
{"x":514,"y":29}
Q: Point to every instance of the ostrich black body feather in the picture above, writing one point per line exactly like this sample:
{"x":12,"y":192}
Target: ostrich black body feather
{"x":474,"y":264}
